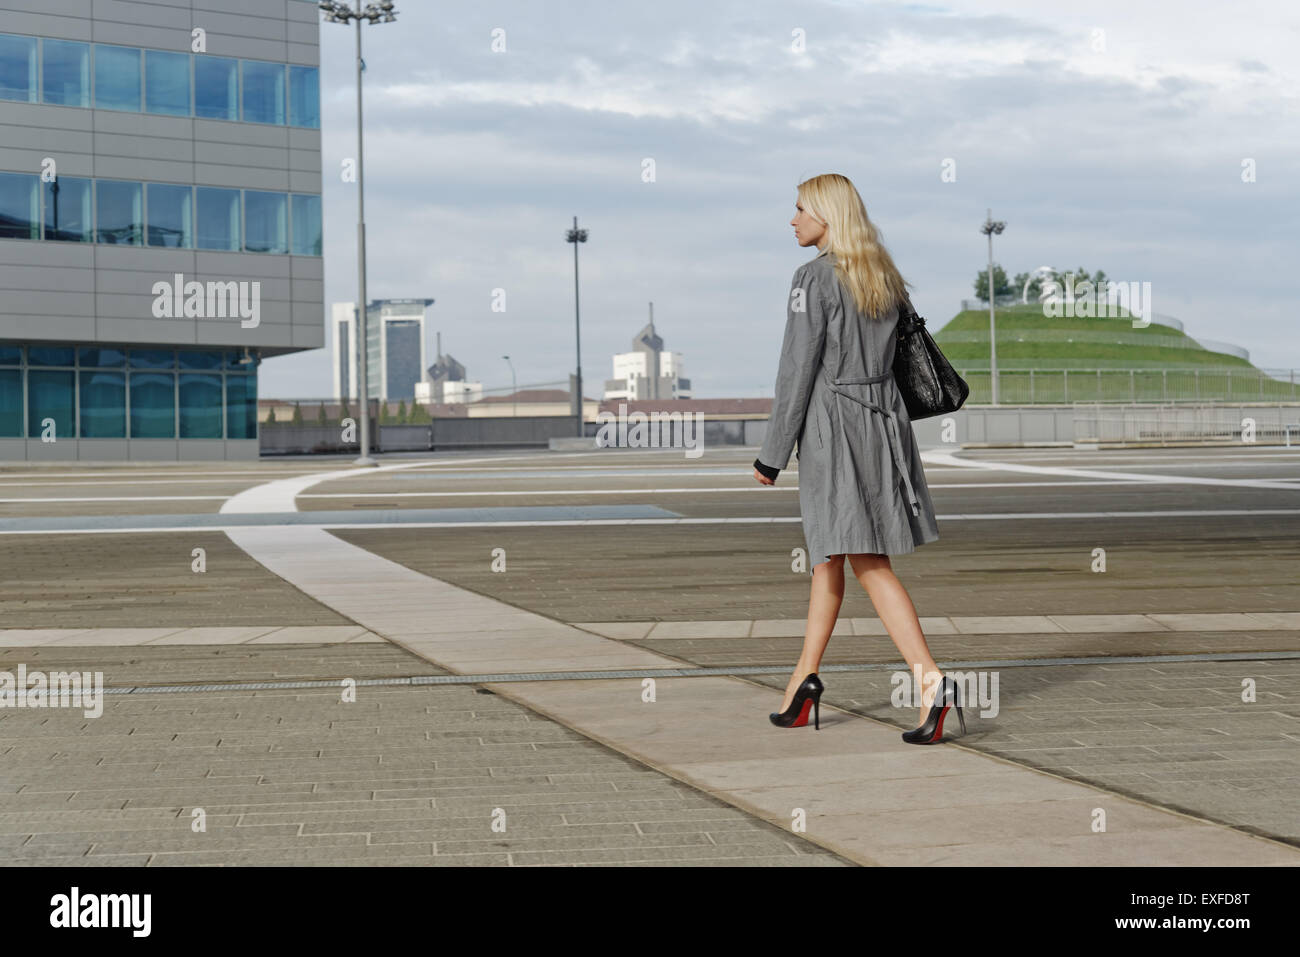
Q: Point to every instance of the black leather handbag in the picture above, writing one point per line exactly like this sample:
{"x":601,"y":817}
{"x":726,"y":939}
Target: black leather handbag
{"x":927,"y":380}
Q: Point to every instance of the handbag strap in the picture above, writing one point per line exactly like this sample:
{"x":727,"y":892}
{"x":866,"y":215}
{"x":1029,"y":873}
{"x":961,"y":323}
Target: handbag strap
{"x":908,"y":320}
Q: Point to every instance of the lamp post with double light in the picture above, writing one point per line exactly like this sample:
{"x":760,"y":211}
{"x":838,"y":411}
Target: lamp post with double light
{"x":989,"y":228}
{"x":337,"y":12}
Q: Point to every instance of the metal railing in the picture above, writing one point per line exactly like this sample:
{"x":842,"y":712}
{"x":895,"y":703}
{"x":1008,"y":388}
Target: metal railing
{"x":1098,"y":384}
{"x":1246,"y":424}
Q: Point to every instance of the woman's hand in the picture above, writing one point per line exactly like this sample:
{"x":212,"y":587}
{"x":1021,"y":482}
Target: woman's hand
{"x":763,"y":479}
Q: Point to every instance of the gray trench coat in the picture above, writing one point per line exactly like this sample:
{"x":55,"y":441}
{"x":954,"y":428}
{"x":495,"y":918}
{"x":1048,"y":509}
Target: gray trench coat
{"x":861,"y":484}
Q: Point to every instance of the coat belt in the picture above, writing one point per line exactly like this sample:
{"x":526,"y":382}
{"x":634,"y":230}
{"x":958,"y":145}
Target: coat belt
{"x":891,"y":424}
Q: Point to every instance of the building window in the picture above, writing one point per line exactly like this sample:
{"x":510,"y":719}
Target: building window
{"x":18,"y":69}
{"x":200,"y":406}
{"x":65,"y":74}
{"x":19,"y":206}
{"x":263,"y":92}
{"x":100,"y":357}
{"x":199,"y":360}
{"x":153,"y":404}
{"x":304,"y":96}
{"x":117,"y":78}
{"x":49,"y":403}
{"x":67,"y":210}
{"x":103,"y":404}
{"x":152,"y":359}
{"x":49,"y":355}
{"x":167,"y":83}
{"x":11,"y":403}
{"x":241,"y":407}
{"x":266,"y":226}
{"x":306,"y":225}
{"x":119,"y":208}
{"x":216,"y":88}
{"x":171,"y":216}
{"x":218,"y":218}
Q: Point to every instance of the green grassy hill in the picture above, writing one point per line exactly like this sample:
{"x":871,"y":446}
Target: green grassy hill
{"x":1080,"y":359}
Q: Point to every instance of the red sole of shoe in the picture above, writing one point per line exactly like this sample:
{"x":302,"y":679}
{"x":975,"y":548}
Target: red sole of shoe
{"x":802,"y":720}
{"x":938,"y":732}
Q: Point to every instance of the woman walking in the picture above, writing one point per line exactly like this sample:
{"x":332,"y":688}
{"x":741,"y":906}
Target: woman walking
{"x":862,"y":490}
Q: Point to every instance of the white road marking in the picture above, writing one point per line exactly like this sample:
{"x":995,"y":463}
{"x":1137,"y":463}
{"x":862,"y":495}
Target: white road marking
{"x":996,"y":466}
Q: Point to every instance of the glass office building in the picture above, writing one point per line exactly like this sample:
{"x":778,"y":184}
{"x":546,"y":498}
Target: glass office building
{"x":160,"y":222}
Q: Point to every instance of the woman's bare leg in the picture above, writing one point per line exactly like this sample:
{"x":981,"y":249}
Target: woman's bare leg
{"x":897,"y":613}
{"x":824,"y":599}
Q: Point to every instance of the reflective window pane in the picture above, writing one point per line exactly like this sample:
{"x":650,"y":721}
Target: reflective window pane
{"x":67,"y":210}
{"x":200,"y":360}
{"x":11,"y":355}
{"x":97,"y":356}
{"x":18,"y":69}
{"x":153,"y":405}
{"x":263,"y":92}
{"x":19,"y":206}
{"x":65,"y":73}
{"x":49,"y":404}
{"x":11,"y":403}
{"x":304,"y":96}
{"x":167,"y":83}
{"x":241,"y":407}
{"x":153,"y":359}
{"x":266,"y":226}
{"x":306,"y":225}
{"x":216,"y":88}
{"x":218,"y":218}
{"x":171,"y":216}
{"x":201,"y":409}
{"x":117,"y":78}
{"x":103,"y":404}
{"x":120,"y":210}
{"x":49,"y":355}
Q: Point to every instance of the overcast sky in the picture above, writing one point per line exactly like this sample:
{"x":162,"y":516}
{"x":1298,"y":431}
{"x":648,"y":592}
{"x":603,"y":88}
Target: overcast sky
{"x":1126,"y":158}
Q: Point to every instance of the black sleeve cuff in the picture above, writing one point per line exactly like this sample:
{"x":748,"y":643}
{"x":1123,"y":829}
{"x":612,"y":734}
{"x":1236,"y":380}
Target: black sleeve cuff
{"x":766,"y":470}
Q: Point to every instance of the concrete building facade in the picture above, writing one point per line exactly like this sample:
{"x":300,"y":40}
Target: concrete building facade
{"x":160,"y":221}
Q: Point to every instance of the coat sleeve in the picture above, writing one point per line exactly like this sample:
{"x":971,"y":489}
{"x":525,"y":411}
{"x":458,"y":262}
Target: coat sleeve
{"x":801,"y":354}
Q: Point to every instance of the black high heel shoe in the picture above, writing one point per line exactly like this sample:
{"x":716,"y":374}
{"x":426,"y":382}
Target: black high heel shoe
{"x":932,"y":730}
{"x":808,"y":694}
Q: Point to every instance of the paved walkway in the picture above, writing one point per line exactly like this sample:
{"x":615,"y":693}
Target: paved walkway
{"x":864,"y":793}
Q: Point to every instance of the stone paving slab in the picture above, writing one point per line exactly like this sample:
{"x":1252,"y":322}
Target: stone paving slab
{"x":943,"y":625}
{"x":128,"y":581}
{"x":422,"y":789}
{"x":682,"y":731}
{"x":737,"y":572}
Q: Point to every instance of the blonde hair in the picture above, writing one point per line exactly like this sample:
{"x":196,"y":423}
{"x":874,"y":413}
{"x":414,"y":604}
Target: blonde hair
{"x":861,"y":260}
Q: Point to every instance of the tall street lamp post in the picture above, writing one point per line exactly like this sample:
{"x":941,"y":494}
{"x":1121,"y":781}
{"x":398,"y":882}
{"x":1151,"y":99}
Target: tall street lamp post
{"x":990,"y":227}
{"x":575,"y":236}
{"x":337,"y":12}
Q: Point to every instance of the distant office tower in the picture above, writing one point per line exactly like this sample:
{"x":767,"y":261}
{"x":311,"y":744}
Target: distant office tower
{"x":160,"y":222}
{"x":648,"y":372}
{"x":396,"y":330}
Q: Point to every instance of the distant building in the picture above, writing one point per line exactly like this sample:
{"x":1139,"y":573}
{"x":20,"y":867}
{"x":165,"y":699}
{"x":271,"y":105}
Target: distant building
{"x":445,"y":382}
{"x":397,"y":333}
{"x":648,"y":371}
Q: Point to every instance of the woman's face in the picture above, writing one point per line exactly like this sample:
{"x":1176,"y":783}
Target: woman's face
{"x":807,"y":231}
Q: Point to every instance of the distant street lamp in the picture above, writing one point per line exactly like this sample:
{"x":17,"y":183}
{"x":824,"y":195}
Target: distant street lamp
{"x":990,"y":227}
{"x":514,"y":388}
{"x":337,"y":12}
{"x":575,"y":236}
